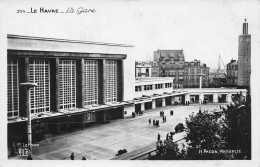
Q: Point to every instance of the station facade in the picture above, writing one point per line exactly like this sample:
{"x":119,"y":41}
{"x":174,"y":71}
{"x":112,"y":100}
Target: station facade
{"x":79,"y":82}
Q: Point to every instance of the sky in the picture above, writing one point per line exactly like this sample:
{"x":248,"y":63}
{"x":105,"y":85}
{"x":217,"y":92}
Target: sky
{"x":203,"y":29}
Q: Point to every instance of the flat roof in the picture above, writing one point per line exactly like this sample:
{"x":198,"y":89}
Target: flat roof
{"x":211,"y":90}
{"x":152,"y":79}
{"x":66,"y":40}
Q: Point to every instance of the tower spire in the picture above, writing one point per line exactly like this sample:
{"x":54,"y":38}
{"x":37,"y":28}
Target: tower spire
{"x":245,"y":27}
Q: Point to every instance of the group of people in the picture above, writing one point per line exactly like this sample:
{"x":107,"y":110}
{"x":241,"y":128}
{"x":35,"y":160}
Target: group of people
{"x":187,"y":103}
{"x":164,"y":119}
{"x":162,"y":115}
{"x":155,"y":122}
{"x":72,"y":157}
{"x":169,"y":136}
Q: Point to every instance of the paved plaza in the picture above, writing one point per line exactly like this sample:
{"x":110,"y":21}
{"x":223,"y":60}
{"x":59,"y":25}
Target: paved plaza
{"x":102,"y":141}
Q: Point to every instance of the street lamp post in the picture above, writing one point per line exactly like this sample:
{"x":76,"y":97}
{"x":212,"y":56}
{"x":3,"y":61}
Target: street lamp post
{"x":28,"y":86}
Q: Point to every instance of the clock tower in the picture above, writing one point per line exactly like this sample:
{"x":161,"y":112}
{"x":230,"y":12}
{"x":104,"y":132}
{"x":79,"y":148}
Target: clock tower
{"x":244,"y":57}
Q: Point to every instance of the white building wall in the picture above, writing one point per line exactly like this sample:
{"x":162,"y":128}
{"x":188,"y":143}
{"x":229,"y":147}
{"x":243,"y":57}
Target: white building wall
{"x":129,"y":75}
{"x":153,"y":82}
{"x":151,"y":92}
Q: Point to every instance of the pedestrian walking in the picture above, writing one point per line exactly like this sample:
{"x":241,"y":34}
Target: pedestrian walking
{"x":158,"y":137}
{"x":72,"y":156}
{"x":153,"y":122}
{"x":164,"y":118}
{"x":167,"y":136}
{"x":149,"y":121}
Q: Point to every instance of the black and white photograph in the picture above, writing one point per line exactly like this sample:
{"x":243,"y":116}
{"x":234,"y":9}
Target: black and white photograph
{"x":163,"y":81}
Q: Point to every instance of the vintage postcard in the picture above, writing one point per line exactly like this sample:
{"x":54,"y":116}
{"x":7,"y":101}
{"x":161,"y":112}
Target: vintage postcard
{"x":168,"y":81}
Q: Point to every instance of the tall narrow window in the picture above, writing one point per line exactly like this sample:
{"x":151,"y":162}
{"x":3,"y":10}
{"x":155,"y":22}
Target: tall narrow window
{"x":39,"y":72}
{"x":111,"y":81}
{"x":90,"y":82}
{"x":67,"y":80}
{"x":12,"y":89}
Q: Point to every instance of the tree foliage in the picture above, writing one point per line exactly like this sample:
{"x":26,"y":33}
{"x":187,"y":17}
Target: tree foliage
{"x":208,"y":134}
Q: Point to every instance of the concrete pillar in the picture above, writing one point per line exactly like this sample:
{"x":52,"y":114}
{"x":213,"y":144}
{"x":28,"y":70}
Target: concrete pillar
{"x":120,"y":80}
{"x":215,"y":98}
{"x":153,"y":104}
{"x":57,"y":84}
{"x":150,"y":72}
{"x":163,"y":102}
{"x":153,"y":87}
{"x":142,"y":107}
{"x":172,"y":100}
{"x":229,"y":100}
{"x":104,"y":81}
{"x":142,"y":87}
{"x":201,"y":97}
{"x":81,"y":75}
{"x":163,"y":85}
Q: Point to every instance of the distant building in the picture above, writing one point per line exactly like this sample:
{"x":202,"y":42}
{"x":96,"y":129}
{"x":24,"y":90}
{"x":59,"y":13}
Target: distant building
{"x":192,"y":71}
{"x":220,"y":80}
{"x":213,"y":73}
{"x":155,"y":68}
{"x":143,"y":69}
{"x":244,"y":57}
{"x":171,"y":64}
{"x":232,"y":71}
{"x":146,"y":69}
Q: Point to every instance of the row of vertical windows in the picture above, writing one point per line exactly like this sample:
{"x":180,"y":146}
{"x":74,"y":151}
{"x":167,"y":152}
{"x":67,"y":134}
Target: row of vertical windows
{"x":90,"y":82}
{"x":158,"y":86}
{"x":67,"y":81}
{"x":168,"y":85}
{"x":111,"y":81}
{"x":148,"y":87}
{"x":138,"y":88}
{"x":39,"y":96}
{"x":12,"y":89}
{"x":39,"y":72}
